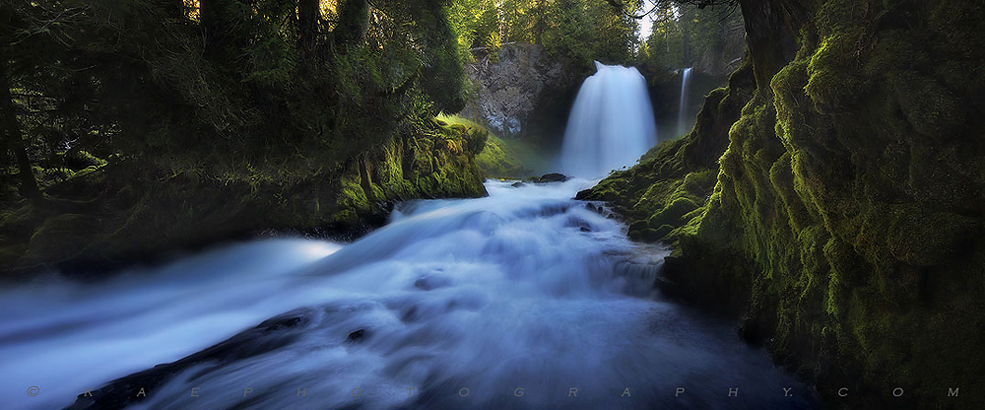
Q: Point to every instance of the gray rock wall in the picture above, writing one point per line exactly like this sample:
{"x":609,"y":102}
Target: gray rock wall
{"x":510,"y":90}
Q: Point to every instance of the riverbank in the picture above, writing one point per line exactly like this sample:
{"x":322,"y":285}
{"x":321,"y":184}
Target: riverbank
{"x":120,"y":213}
{"x":830,"y":197}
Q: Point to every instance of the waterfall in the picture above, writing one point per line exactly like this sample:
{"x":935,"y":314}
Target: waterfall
{"x":611,"y":124}
{"x":682,"y":114}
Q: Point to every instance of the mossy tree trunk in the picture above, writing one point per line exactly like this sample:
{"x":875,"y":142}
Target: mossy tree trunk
{"x":309,"y":15}
{"x":771,"y":29}
{"x":353,"y":22}
{"x":217,"y":22}
{"x":13,"y":139}
{"x":210,"y":12}
{"x":688,"y":17}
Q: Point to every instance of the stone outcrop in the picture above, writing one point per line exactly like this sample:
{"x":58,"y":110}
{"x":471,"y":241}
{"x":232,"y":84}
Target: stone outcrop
{"x":511,"y":87}
{"x":138,"y":220}
{"x":840,"y":208}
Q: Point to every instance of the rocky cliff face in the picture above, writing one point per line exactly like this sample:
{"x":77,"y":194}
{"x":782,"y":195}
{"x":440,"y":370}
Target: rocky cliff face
{"x":840,"y":209}
{"x":117,"y":215}
{"x":514,"y":90}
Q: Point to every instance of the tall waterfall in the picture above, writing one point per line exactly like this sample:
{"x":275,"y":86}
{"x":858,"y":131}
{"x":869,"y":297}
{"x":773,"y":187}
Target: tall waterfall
{"x":611,"y":124}
{"x":682,"y":114}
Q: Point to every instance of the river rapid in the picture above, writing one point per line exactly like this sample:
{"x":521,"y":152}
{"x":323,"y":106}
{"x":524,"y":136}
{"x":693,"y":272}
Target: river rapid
{"x":526,"y":299}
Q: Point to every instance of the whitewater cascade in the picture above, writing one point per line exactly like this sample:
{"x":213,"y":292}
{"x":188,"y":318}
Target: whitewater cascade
{"x":465,"y":302}
{"x":682,"y":114}
{"x":611,"y":124}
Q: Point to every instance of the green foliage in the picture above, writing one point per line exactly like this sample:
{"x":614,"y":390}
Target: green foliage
{"x":178,"y":128}
{"x":578,"y":31}
{"x":497,"y":158}
{"x":683,"y":32}
{"x":245,"y":99}
{"x":587,"y":30}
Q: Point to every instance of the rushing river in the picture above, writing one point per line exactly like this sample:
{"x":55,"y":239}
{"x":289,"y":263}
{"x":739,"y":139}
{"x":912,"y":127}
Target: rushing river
{"x":525,"y":299}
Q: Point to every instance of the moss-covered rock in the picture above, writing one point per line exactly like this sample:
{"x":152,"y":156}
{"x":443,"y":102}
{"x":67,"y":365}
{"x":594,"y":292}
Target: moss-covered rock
{"x":98,"y":220}
{"x":845,"y":221}
{"x":677,"y":176}
{"x":500,"y":160}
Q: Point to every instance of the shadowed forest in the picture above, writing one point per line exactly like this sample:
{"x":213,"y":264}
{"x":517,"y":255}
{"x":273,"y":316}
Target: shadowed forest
{"x":815,"y":180}
{"x":132,"y":127}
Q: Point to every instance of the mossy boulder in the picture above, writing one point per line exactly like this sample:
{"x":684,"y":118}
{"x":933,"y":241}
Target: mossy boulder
{"x":96,"y":221}
{"x":845,"y":217}
{"x":62,"y":237}
{"x":676,"y":178}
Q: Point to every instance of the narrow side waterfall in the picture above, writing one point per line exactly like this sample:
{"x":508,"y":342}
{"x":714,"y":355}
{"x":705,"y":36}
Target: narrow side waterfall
{"x":682,"y":127}
{"x":611,"y":124}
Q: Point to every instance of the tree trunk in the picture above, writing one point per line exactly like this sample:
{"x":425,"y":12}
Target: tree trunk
{"x":309,"y":14}
{"x":353,"y":22}
{"x":771,"y":28}
{"x":174,"y":9}
{"x":12,"y":137}
{"x":214,"y":15}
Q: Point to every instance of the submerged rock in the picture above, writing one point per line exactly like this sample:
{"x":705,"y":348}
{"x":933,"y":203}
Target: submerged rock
{"x":357,"y":336}
{"x":544,"y":179}
{"x":553,"y":177}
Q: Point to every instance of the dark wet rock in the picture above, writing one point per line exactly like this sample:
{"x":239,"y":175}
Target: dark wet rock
{"x":357,"y":336}
{"x":579,"y":223}
{"x":543,"y":179}
{"x":512,"y":88}
{"x":595,"y":208}
{"x":410,"y":315}
{"x":272,"y":334}
{"x":554,"y":177}
{"x":430,"y":282}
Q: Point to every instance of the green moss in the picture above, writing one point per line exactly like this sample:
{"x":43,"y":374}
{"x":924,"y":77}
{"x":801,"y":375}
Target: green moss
{"x":352,"y":196}
{"x":83,"y":159}
{"x":60,"y":237}
{"x":100,"y":214}
{"x":500,"y":159}
{"x":921,"y":238}
{"x":672,"y":214}
{"x":846,"y":217}
{"x":834,"y":84}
